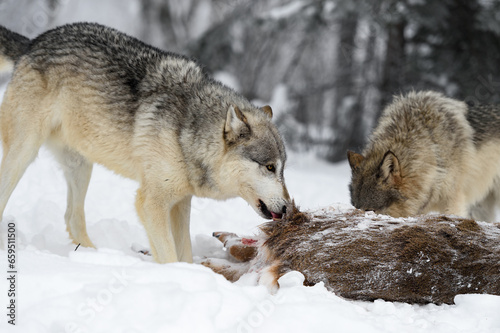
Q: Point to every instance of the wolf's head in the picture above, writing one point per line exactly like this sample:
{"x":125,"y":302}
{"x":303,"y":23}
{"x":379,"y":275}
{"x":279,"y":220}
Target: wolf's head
{"x":255,"y":156}
{"x":377,"y":184}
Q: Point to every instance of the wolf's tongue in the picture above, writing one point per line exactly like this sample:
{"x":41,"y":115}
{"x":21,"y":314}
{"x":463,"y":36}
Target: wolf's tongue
{"x":276,"y":216}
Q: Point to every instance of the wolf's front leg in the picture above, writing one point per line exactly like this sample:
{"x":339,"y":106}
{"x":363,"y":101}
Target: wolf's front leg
{"x":179,"y":217}
{"x":458,"y":205}
{"x":155,"y":214}
{"x":484,"y":210}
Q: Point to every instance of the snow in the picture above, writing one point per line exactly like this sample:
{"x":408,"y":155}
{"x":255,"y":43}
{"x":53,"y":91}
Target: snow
{"x":284,"y":11}
{"x":227,"y":79}
{"x":280,"y":100}
{"x":115,"y":289}
{"x":123,"y":13}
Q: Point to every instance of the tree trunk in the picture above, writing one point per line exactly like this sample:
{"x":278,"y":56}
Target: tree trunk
{"x":347,"y":115}
{"x":393,"y":75}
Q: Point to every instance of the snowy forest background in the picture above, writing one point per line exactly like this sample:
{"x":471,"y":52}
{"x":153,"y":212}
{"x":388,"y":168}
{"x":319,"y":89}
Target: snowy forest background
{"x":329,"y":65}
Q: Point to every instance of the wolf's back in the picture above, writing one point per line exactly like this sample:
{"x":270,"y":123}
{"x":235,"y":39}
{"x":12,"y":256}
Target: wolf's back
{"x":12,"y":47}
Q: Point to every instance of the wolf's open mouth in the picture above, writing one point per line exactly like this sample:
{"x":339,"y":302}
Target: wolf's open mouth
{"x":267,"y":213}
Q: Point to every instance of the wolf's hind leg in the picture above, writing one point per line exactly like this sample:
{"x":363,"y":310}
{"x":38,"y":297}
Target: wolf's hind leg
{"x":18,"y":154}
{"x":25,"y":124}
{"x":77,"y":171}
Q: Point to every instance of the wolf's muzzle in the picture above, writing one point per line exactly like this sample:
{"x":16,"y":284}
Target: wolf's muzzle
{"x":270,"y":214}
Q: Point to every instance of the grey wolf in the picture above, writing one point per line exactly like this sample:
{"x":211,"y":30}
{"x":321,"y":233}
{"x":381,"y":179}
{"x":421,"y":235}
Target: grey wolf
{"x":363,"y":256}
{"x":430,"y":153}
{"x":95,"y":95}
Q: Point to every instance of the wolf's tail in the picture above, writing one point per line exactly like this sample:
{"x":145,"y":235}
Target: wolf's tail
{"x":12,"y":47}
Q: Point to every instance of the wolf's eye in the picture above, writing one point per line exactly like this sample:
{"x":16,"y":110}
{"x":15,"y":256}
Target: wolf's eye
{"x":271,"y":168}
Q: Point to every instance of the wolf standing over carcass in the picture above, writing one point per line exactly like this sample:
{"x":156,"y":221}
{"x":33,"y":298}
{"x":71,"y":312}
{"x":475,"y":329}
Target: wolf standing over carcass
{"x":93,"y":94}
{"x":430,"y":153}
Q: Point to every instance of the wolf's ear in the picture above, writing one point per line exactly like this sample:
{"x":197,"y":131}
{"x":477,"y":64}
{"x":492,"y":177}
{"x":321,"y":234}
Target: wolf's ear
{"x":355,"y":159}
{"x":390,"y":168}
{"x":267,"y":110}
{"x":236,"y":123}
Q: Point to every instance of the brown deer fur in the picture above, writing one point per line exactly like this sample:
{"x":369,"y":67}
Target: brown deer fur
{"x":364,"y":256}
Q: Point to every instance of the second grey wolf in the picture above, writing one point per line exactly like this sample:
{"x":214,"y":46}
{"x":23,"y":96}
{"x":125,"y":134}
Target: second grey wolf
{"x":95,"y":95}
{"x":430,"y":153}
{"x":428,"y":259}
